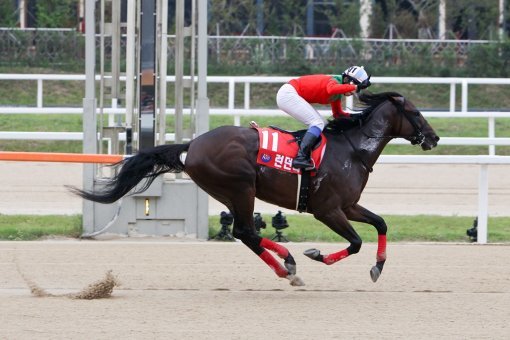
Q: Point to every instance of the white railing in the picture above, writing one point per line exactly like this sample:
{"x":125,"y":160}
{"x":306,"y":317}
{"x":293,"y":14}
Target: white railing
{"x":483,"y":178}
{"x":237,"y":112}
{"x":247,"y":80}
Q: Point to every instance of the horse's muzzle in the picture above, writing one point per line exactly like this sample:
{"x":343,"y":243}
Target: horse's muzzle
{"x":430,"y":142}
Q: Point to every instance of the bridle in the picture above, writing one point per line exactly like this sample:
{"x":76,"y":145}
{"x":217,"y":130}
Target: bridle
{"x":412,"y":117}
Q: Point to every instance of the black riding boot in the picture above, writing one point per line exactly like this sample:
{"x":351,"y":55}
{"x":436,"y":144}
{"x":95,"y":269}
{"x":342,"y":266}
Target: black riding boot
{"x":302,"y":160}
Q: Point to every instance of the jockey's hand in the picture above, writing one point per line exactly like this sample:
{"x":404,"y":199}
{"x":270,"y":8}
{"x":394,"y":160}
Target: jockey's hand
{"x":364,"y":84}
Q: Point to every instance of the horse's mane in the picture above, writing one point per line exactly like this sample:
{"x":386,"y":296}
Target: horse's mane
{"x":369,"y":101}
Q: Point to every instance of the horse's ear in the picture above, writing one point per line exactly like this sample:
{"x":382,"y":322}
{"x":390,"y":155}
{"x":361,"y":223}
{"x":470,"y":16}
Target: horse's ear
{"x":399,"y":99}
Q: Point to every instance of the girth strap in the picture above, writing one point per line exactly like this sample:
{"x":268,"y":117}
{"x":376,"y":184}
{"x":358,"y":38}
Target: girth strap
{"x":303,"y":189}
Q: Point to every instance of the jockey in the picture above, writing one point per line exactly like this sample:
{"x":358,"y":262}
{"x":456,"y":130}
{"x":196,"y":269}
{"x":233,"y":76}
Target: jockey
{"x":296,"y":97}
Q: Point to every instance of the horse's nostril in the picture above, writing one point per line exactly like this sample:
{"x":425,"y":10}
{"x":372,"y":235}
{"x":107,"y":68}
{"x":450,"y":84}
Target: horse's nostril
{"x":437,"y":138}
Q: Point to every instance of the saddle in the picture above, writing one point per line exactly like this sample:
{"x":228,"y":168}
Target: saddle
{"x":278,"y":147}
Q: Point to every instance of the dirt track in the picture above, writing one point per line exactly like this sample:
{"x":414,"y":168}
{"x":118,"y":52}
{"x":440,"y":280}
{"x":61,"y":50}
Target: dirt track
{"x":206,"y":290}
{"x":38,"y":188}
{"x":209,"y":290}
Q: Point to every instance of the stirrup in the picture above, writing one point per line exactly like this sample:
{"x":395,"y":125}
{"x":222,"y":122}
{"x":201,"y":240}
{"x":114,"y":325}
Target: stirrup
{"x":309,"y":165}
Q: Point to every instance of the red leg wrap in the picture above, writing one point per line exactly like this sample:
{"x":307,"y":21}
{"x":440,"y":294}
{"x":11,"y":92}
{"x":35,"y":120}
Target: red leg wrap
{"x":275,"y":265}
{"x":273,"y":246}
{"x":335,"y":257}
{"x":381,"y":248}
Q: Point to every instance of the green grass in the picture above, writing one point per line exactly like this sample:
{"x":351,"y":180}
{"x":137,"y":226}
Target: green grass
{"x":423,"y":228}
{"x":32,"y":227}
{"x":302,"y":228}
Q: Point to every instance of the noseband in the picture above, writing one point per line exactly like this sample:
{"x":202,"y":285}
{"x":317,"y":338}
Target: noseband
{"x":418,"y":138}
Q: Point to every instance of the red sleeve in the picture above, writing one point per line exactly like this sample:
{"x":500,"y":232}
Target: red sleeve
{"x":336,"y":107}
{"x":334,"y":87}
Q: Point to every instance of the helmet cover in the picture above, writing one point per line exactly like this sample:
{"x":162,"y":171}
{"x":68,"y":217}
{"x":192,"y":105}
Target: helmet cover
{"x":357,"y":74}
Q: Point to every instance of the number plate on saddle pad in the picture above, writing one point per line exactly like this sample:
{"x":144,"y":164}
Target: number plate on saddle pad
{"x":277,"y":149}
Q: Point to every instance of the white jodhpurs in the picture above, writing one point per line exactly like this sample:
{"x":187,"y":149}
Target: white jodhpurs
{"x":292,"y":103}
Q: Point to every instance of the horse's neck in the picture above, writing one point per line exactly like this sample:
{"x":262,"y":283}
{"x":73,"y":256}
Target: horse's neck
{"x":371,"y":141}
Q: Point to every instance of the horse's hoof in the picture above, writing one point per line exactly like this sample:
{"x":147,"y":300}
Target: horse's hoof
{"x":375,"y":273}
{"x":312,"y":253}
{"x":291,"y":268}
{"x":295,"y":280}
{"x":290,"y":264}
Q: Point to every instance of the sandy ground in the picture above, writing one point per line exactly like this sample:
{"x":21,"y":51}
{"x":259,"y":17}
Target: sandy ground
{"x":38,"y":188}
{"x":182,"y":289}
{"x":213,"y":290}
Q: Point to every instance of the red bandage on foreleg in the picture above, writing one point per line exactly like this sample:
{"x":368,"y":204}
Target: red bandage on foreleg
{"x":274,"y":264}
{"x":273,"y":246}
{"x":381,"y":248}
{"x":335,"y":257}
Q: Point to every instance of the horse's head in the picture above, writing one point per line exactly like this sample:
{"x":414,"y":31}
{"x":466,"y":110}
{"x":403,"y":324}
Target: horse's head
{"x":413,"y":126}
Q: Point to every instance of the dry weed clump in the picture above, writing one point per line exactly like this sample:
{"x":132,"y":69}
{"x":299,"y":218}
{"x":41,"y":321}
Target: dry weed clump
{"x":101,"y":289}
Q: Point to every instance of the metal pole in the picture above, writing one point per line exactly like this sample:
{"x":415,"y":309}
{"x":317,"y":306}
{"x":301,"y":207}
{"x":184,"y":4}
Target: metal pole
{"x":101,"y":72}
{"x":147,"y":75}
{"x":179,"y":68}
{"x":163,"y":10}
{"x":202,"y":121}
{"x":116,"y":38}
{"x":89,"y":113}
{"x":193,"y":60}
{"x":130,"y":73}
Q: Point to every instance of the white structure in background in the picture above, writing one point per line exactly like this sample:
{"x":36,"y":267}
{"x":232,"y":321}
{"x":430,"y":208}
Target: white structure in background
{"x":501,"y":19}
{"x":365,"y":12}
{"x":170,"y":206}
{"x":441,"y":21}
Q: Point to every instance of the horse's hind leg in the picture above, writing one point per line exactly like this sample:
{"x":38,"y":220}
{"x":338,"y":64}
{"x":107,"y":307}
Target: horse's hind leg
{"x":282,"y":252}
{"x":244,"y":230}
{"x":359,"y":214}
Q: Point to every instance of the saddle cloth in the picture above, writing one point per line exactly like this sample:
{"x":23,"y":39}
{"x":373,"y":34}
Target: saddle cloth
{"x":277,"y":149}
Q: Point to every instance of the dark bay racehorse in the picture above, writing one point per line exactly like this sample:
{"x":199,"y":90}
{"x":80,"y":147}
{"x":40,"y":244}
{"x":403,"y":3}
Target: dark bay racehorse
{"x":223,"y":163}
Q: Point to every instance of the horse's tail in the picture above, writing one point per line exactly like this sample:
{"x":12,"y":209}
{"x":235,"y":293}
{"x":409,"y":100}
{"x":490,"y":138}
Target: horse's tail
{"x":146,"y":164}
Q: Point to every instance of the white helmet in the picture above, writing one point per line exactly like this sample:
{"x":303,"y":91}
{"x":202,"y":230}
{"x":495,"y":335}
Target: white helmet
{"x":357,"y":74}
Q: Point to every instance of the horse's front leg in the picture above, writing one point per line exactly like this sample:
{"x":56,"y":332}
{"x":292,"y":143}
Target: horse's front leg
{"x":359,"y":214}
{"x":336,"y":221}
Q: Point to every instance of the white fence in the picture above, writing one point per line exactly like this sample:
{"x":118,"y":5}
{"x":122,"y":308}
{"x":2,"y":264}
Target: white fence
{"x":237,"y":112}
